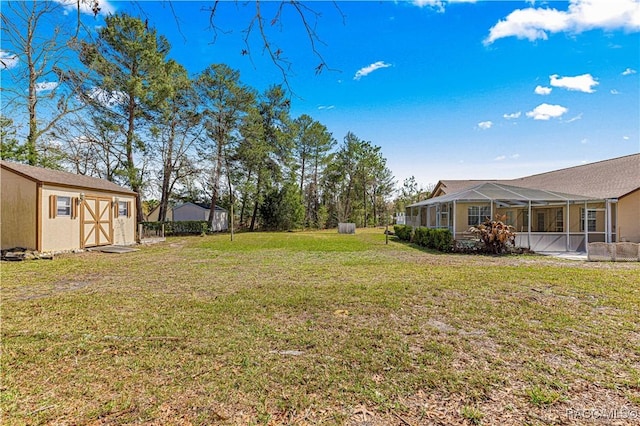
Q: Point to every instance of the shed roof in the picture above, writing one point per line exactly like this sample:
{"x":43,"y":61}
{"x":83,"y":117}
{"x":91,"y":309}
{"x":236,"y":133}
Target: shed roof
{"x":506,"y":195}
{"x":200,"y":205}
{"x":60,"y":178}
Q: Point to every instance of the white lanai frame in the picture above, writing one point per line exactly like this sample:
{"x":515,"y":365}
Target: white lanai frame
{"x":507,"y":196}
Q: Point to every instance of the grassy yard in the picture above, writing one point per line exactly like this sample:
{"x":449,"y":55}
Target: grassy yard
{"x":317,"y":328}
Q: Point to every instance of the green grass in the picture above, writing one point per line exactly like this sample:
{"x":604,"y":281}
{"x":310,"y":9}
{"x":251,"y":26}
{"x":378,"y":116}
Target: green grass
{"x":202,"y":329}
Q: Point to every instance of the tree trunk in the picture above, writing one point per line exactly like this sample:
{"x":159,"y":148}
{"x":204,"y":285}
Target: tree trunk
{"x":255,"y":206}
{"x":166,"y":177}
{"x":216,"y":182}
{"x":32,"y":154}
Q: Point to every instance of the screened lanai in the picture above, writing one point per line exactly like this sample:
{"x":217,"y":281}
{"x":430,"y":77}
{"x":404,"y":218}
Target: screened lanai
{"x":544,"y":220}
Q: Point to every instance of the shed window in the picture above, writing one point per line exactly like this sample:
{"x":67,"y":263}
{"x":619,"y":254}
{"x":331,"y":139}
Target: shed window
{"x":477,"y":214}
{"x":123,"y":209}
{"x":63,"y":206}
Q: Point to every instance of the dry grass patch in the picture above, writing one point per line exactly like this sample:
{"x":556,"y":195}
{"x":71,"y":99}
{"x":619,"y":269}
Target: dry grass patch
{"x":315,"y":328}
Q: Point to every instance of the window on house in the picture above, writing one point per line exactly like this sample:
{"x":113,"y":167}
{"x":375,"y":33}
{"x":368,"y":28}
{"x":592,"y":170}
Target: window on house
{"x":63,"y":206}
{"x":541,"y":222}
{"x":559,"y":221}
{"x":509,"y":220}
{"x":591,"y":220}
{"x":477,"y":214}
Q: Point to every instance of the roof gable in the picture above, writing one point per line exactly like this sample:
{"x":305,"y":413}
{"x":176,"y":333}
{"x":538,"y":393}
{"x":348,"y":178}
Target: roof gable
{"x":60,"y":178}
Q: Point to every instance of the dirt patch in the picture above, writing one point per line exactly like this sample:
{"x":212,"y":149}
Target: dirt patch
{"x":62,"y":286}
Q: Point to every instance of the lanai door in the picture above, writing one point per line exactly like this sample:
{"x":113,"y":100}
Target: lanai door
{"x":95,"y":221}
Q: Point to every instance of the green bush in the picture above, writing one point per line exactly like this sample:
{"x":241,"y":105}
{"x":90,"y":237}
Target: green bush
{"x":403,"y":232}
{"x":438,"y":239}
{"x":188,"y":227}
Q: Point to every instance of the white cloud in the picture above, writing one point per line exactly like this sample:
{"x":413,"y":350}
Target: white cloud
{"x":106,"y":8}
{"x":540,"y":90}
{"x":438,"y":4}
{"x":363,"y":72}
{"x":576,"y":118}
{"x":500,"y":158}
{"x":484,"y":125}
{"x":581,"y":83}
{"x":108,"y":99}
{"x":515,"y":156}
{"x":626,"y":138}
{"x":8,"y":60}
{"x":584,"y":141}
{"x":546,"y":111}
{"x":327,"y":107}
{"x":46,"y":85}
{"x":513,"y":115}
{"x":581,"y":15}
{"x":629,"y":71}
{"x":614,"y":92}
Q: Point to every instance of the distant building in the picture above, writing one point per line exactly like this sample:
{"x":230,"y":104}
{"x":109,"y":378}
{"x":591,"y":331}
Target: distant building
{"x":192,"y":211}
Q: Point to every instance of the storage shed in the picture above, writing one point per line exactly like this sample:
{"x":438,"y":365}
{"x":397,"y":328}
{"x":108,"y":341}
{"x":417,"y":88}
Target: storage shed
{"x":192,"y":211}
{"x":50,"y":210}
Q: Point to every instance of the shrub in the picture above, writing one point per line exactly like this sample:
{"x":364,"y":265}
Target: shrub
{"x":439,"y":239}
{"x":403,"y":232}
{"x":188,"y":227}
{"x":496,"y":236}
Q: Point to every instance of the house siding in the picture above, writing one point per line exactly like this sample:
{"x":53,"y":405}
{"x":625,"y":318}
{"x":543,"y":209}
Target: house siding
{"x":629,"y":217}
{"x":18,"y":216}
{"x":189,"y":212}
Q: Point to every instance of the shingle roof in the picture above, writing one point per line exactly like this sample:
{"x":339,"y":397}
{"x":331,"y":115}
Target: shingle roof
{"x":57,"y":177}
{"x":612,"y":178}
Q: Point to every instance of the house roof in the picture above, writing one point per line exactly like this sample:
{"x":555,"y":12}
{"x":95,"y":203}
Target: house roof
{"x":613,"y":178}
{"x":203,"y":206}
{"x":60,"y":178}
{"x":504,"y":195}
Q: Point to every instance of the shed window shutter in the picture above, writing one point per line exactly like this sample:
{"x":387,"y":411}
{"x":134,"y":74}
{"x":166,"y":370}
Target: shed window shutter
{"x":53,"y":206}
{"x":116,"y":210}
{"x":128,"y":208}
{"x":74,"y":207}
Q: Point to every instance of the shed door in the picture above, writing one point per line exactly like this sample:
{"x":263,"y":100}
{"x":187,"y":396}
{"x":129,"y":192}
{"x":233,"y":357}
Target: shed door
{"x":95,"y":221}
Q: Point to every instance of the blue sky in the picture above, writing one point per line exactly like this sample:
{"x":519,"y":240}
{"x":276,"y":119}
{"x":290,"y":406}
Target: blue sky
{"x":449,"y":90}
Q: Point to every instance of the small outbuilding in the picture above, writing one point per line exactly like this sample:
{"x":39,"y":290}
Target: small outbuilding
{"x":192,"y":211}
{"x":50,"y":210}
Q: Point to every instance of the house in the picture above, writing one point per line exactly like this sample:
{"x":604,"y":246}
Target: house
{"x":154,"y":214}
{"x":561,"y":210}
{"x":192,"y":211}
{"x":50,"y":210}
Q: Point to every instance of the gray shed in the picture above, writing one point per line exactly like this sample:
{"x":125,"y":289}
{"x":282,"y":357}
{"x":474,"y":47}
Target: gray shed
{"x":193,"y":211}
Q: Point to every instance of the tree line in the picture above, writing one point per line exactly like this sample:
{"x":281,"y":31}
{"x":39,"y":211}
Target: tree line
{"x":122,"y":110}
